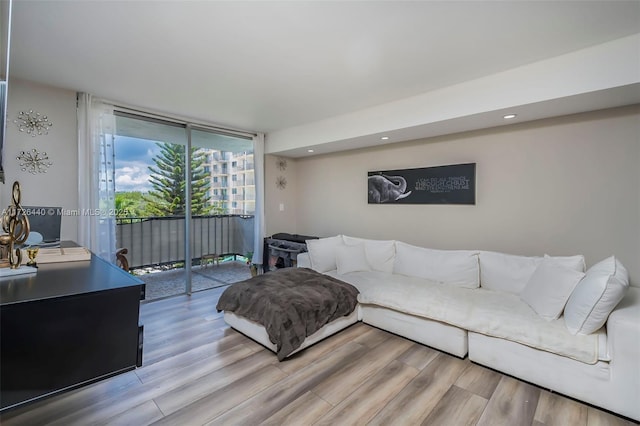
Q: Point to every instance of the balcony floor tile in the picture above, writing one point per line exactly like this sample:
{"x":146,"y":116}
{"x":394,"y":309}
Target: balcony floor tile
{"x":169,"y":283}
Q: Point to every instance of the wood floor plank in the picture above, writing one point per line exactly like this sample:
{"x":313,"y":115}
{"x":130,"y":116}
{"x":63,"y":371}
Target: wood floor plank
{"x":458,"y":407}
{"x":418,"y":356}
{"x":348,"y":378}
{"x":135,"y":395}
{"x":414,"y":403}
{"x":224,"y":399}
{"x":305,"y":357}
{"x":557,"y":410}
{"x":265,"y":404}
{"x":372,"y":337}
{"x":362,"y":405}
{"x":179,"y":306}
{"x":479,"y":380}
{"x":185,"y":325}
{"x":188,"y":358}
{"x":45,"y":411}
{"x":305,"y":410}
{"x":143,"y":414}
{"x":597,"y":417}
{"x":196,"y":389}
{"x":175,"y":345}
{"x":513,"y":403}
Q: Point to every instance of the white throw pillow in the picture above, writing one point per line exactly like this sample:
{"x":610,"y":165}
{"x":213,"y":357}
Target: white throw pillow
{"x":454,"y":267}
{"x":322,"y":253}
{"x":590,"y":304}
{"x":576,"y":262}
{"x":506,"y":272}
{"x":380,"y":253}
{"x":351,"y":259}
{"x":549,"y":288}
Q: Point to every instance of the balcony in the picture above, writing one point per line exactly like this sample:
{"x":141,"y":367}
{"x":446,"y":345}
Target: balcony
{"x":156,"y":250}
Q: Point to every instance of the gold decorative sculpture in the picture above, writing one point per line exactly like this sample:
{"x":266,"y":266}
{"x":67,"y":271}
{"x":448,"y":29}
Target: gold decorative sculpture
{"x":32,"y":252}
{"x":16,"y":225}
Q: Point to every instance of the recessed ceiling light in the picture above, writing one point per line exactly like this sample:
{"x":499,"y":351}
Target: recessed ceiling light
{"x":309,"y":150}
{"x":385,"y":138}
{"x":509,"y":116}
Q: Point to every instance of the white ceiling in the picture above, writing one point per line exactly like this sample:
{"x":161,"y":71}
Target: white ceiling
{"x":267,"y":66}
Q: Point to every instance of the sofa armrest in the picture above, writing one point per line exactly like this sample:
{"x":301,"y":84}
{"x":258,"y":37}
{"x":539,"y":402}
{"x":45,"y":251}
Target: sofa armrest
{"x":623,"y":335}
{"x":303,"y":260}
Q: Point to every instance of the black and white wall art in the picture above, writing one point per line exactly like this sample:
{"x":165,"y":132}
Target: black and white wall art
{"x":451,"y":184}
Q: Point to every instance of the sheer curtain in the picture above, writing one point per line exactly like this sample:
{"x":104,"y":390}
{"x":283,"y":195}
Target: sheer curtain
{"x":96,"y":175}
{"x":259,"y":231}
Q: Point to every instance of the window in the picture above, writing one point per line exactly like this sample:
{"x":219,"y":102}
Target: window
{"x":148,"y":149}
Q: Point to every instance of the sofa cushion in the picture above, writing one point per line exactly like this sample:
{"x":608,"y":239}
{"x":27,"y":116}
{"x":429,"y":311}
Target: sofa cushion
{"x":576,"y":262}
{"x":549,"y":288}
{"x":593,"y":299}
{"x":351,"y":259}
{"x":322,"y":253}
{"x":380,"y":253}
{"x":496,"y":314}
{"x":453,"y":267}
{"x":511,"y":273}
{"x":506,"y":272}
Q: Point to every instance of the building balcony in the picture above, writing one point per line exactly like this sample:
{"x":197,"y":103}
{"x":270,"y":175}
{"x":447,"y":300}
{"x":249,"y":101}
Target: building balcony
{"x":156,"y":255}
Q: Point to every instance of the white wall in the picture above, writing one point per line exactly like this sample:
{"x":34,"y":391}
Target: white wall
{"x":59,"y":185}
{"x":281,"y":203}
{"x":560,"y":186}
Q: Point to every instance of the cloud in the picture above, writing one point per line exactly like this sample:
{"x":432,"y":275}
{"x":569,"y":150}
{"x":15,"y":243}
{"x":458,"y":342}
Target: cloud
{"x":132,"y":176}
{"x":132,"y":158}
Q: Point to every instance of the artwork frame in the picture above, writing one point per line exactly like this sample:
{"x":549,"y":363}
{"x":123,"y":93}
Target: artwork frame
{"x":447,"y":184}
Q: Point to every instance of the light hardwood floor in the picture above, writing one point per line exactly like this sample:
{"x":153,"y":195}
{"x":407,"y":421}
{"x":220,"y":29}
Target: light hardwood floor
{"x":198,"y":371}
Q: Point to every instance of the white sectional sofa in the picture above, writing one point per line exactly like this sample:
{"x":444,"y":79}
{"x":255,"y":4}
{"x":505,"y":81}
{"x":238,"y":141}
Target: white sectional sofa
{"x":543,"y":319}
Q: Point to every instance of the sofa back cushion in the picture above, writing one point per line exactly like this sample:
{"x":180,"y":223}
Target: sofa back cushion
{"x":454,"y":267}
{"x":593,"y":299}
{"x":322,"y":253}
{"x":506,"y":272}
{"x":511,"y":273}
{"x":549,"y":288}
{"x":380,"y":253}
{"x":576,"y":262}
{"x":351,"y":259}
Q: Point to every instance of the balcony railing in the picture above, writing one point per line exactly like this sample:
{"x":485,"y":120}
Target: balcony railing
{"x":160,"y":240}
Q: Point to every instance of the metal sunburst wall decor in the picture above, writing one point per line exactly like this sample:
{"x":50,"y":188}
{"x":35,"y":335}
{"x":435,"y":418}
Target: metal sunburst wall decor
{"x":281,"y":163}
{"x":33,"y":123}
{"x":281,"y":182}
{"x":34,"y":162}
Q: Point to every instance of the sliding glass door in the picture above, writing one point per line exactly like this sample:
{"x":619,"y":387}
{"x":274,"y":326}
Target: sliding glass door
{"x":184,"y":201}
{"x":223,"y":207}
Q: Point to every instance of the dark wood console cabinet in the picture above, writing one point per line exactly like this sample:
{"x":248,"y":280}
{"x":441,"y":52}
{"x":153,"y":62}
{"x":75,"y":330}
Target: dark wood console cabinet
{"x":68,"y":325}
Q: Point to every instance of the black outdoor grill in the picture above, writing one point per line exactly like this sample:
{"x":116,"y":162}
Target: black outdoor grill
{"x":282,"y":249}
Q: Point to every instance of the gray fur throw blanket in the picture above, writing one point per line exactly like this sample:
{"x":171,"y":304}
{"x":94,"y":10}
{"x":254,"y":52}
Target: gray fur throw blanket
{"x":291,"y":304}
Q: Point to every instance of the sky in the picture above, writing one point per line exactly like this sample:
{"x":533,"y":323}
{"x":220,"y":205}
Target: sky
{"x":133,"y":158}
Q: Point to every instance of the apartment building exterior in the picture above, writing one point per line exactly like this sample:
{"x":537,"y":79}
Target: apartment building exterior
{"x":232,"y":185}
